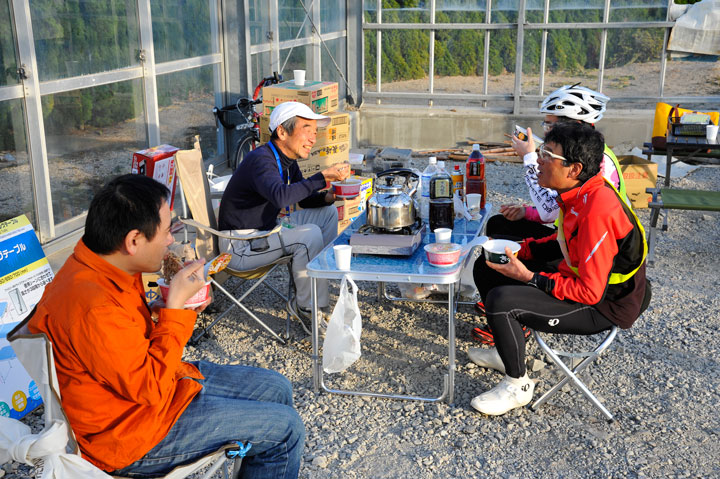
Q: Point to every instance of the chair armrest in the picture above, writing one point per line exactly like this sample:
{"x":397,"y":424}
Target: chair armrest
{"x":252,"y":234}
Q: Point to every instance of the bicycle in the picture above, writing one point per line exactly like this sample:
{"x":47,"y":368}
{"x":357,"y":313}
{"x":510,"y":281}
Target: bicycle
{"x":249,"y":127}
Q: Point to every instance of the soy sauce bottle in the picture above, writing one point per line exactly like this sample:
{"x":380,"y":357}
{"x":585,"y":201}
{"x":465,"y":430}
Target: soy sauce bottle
{"x":442,"y":210}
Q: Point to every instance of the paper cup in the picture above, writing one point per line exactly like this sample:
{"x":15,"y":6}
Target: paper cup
{"x":299,"y":77}
{"x":343,"y":254}
{"x":442,"y":235}
{"x":711,"y":132}
{"x":473,"y":202}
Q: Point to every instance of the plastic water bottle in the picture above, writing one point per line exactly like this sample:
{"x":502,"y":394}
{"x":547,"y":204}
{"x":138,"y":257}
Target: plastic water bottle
{"x":425,"y":188}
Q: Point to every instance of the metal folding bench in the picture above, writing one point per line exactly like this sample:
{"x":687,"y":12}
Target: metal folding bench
{"x":676,"y":199}
{"x":578,"y":361}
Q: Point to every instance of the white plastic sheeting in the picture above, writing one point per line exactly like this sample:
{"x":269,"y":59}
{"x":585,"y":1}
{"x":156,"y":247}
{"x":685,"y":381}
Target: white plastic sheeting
{"x":698,"y":30}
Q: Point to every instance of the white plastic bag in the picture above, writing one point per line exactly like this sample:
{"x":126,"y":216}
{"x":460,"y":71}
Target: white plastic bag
{"x":341,"y":347}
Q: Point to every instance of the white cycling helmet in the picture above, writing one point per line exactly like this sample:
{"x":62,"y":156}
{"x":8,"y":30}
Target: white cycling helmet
{"x":576,"y":102}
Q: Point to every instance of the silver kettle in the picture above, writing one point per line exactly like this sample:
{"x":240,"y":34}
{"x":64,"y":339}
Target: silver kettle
{"x":392,"y":205}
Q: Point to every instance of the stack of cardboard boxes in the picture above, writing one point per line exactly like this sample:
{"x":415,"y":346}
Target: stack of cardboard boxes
{"x":333,"y":141}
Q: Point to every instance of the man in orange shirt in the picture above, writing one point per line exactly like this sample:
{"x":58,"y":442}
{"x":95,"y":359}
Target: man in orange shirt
{"x":134,"y":405}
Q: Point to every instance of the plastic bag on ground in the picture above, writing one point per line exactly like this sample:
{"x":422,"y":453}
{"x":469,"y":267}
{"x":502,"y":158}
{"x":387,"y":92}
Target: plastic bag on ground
{"x":341,"y":347}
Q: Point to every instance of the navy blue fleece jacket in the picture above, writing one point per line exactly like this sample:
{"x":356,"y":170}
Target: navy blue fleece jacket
{"x":256,"y":193}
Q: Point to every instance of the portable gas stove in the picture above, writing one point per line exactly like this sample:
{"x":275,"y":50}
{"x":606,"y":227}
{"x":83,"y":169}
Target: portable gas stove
{"x":398,"y":242}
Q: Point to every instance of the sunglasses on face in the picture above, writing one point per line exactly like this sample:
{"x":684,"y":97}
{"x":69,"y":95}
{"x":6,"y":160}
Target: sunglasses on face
{"x":545,"y":154}
{"x":547,"y":126}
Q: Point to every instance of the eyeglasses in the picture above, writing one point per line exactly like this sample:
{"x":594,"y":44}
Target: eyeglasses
{"x":547,"y":126}
{"x":545,"y":154}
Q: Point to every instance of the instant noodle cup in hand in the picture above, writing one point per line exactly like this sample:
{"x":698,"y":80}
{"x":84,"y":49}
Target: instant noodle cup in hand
{"x":170,"y":266}
{"x":495,"y":250}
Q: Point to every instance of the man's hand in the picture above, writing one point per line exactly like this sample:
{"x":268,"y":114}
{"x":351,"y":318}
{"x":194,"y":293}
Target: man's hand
{"x":337,"y":172}
{"x":330,"y":197}
{"x":185,"y":284}
{"x":515,"y":269}
{"x":521,"y":147}
{"x":513,"y":212}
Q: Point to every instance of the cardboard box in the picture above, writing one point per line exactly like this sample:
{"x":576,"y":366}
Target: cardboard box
{"x":321,"y":97}
{"x":638,"y":174}
{"x":331,"y":153}
{"x":343,"y":224}
{"x":158,"y":163}
{"x":337,"y":131}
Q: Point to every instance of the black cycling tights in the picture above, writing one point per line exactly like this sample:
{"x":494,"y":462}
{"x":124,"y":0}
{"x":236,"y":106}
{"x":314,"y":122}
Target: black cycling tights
{"x":511,"y":304}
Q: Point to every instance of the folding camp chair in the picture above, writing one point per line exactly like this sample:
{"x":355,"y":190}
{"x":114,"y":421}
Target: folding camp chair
{"x":583,"y":358}
{"x":35,"y":352}
{"x":196,"y":191}
{"x":676,"y":199}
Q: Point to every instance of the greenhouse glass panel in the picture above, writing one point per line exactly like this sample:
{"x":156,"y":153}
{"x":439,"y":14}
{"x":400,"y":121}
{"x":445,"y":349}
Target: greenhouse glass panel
{"x":534,"y":11}
{"x":185,"y":101}
{"x":460,"y":11}
{"x":370,"y":11}
{"x":504,"y":11}
{"x":699,"y":74}
{"x":181,"y":29}
{"x":296,"y":59}
{"x":574,"y":11}
{"x":292,"y":20}
{"x":81,"y":37}
{"x":260,"y":67}
{"x":405,"y":60}
{"x":572,"y":56}
{"x":8,"y":56}
{"x":531,"y":62}
{"x":459,"y":60}
{"x":91,"y":135}
{"x":338,"y":50}
{"x":501,"y":61}
{"x":15,"y":176}
{"x":632,"y":66}
{"x":259,"y":20}
{"x":638,"y":10}
{"x":405,"y":11}
{"x":332,"y":16}
{"x":370,"y":73}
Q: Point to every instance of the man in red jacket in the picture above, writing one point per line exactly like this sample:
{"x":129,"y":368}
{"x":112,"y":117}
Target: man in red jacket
{"x":584,"y":279}
{"x":135,"y":406}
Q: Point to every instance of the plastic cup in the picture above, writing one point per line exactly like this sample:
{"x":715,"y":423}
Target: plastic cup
{"x":343,"y":254}
{"x":711,"y":132}
{"x":299,"y":77}
{"x":442,"y":235}
{"x":473,"y":202}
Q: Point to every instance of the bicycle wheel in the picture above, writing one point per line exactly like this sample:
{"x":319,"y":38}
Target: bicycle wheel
{"x":244,"y":146}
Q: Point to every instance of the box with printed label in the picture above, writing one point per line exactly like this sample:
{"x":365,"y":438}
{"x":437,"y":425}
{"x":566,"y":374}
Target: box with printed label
{"x":337,"y":130}
{"x":333,"y":153}
{"x":158,"y":163}
{"x":321,"y":97}
{"x":638,"y":174}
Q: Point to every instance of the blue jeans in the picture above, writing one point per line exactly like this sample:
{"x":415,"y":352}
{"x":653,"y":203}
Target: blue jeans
{"x":237,"y":403}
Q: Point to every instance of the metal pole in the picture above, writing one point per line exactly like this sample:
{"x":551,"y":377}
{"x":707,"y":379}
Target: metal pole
{"x":519,"y":57}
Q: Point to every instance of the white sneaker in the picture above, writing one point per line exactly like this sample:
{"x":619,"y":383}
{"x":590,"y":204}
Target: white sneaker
{"x":511,"y":393}
{"x":487,"y":358}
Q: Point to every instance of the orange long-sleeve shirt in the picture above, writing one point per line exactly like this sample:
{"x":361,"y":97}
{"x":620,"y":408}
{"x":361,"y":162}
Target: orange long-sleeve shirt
{"x":122,"y":380}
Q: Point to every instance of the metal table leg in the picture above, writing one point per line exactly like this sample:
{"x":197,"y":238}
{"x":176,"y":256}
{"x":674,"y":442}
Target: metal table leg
{"x":315,"y":356}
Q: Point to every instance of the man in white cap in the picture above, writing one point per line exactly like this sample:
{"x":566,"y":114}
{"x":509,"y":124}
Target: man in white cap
{"x":268,"y":180}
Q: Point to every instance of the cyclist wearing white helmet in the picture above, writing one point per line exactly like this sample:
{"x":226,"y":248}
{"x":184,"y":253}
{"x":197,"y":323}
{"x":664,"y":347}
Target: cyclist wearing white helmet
{"x":566,"y":104}
{"x":570,"y":103}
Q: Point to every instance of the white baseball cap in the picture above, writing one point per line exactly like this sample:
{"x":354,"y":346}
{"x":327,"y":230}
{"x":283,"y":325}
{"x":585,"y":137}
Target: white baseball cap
{"x":289,"y":109}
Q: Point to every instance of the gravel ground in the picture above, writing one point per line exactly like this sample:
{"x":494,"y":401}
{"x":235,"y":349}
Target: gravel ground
{"x":659,"y":379}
